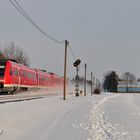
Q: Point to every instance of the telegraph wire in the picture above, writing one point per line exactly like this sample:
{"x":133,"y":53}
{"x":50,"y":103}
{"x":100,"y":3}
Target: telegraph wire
{"x":27,"y":17}
{"x":72,"y":53}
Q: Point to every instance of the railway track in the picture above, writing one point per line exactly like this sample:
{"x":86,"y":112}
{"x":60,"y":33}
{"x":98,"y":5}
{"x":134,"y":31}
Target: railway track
{"x":24,"y":96}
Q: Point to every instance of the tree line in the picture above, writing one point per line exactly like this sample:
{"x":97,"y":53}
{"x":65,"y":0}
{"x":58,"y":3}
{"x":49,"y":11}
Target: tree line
{"x":11,"y":51}
{"x":111,"y":80}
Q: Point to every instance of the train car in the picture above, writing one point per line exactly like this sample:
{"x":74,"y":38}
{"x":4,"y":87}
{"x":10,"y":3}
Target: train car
{"x":57,"y":81}
{"x":27,"y":78}
{"x":14,"y":76}
{"x":9,"y":80}
{"x":44,"y":79}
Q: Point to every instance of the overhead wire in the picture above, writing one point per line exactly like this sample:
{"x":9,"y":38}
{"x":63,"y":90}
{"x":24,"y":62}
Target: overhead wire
{"x":27,"y":17}
{"x":71,"y":51}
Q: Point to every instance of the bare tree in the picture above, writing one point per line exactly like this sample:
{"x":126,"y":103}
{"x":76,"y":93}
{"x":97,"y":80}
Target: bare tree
{"x":128,"y":78}
{"x":110,"y":81}
{"x":1,"y":54}
{"x":16,"y":53}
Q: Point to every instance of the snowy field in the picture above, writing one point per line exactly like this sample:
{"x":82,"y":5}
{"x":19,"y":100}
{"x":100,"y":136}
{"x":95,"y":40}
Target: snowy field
{"x":99,"y":117}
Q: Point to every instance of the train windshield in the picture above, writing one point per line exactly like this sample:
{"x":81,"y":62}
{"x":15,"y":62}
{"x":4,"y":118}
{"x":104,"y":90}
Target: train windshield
{"x":2,"y":68}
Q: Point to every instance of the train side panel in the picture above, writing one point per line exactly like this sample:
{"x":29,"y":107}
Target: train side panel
{"x":44,"y":79}
{"x":57,"y":81}
{"x":28,"y":78}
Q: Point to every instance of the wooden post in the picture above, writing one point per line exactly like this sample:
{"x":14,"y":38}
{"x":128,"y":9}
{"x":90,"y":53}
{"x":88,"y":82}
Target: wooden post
{"x":85,"y":80}
{"x":65,"y":69}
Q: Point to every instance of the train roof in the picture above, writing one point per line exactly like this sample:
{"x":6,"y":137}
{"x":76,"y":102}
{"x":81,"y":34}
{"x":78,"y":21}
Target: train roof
{"x":13,"y":61}
{"x":5,"y":60}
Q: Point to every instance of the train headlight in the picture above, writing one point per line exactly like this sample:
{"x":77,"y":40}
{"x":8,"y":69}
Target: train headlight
{"x":2,"y":80}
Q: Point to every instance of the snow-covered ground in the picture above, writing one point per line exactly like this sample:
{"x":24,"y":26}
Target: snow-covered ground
{"x":99,"y":117}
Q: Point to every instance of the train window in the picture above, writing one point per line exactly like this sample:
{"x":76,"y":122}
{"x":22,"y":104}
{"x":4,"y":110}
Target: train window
{"x":24,"y":73}
{"x":10,"y":71}
{"x":20,"y":72}
{"x":2,"y":68}
{"x":2,"y":72}
{"x":34,"y":77}
{"x":30,"y":75}
{"x":16,"y":72}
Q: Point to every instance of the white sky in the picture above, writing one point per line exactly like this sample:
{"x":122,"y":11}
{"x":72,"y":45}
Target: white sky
{"x":102,"y":33}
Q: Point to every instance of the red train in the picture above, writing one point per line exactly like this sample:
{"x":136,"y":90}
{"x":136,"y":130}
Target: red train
{"x":15,"y":77}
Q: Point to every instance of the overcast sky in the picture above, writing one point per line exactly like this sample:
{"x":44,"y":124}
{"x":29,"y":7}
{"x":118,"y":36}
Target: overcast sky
{"x":105,"y":34}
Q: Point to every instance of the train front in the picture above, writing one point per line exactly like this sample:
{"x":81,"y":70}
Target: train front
{"x":2,"y":73}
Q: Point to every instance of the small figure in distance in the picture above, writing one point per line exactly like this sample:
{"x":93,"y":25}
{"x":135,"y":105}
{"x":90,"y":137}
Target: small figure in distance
{"x":96,"y":91}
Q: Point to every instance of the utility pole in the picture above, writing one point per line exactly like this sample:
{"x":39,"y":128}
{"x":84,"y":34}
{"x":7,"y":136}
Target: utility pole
{"x":65,"y":69}
{"x":91,"y":83}
{"x":85,"y":80}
